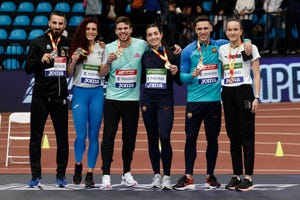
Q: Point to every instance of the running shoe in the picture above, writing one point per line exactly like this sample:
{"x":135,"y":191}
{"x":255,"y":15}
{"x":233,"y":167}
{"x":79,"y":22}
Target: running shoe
{"x":211,"y":182}
{"x":35,"y":182}
{"x":184,"y":183}
{"x":156,"y":181}
{"x":233,"y":183}
{"x":245,"y":185}
{"x":127,"y":179}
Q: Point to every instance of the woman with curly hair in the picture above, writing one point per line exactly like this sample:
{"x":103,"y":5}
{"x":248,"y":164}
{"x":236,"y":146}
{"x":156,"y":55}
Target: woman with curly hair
{"x":88,"y":97}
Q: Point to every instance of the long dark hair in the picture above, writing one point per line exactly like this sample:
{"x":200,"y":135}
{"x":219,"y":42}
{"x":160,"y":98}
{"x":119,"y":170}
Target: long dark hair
{"x":155,"y":25}
{"x":164,"y":44}
{"x":79,"y":38}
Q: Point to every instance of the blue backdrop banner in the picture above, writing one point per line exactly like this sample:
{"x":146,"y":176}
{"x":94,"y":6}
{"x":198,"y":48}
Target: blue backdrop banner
{"x":280,"y":82}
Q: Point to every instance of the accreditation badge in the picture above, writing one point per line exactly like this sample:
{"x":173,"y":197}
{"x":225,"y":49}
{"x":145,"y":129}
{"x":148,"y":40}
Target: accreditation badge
{"x":59,"y":69}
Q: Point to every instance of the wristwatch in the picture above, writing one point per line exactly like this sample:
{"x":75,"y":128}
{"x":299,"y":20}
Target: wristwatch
{"x":256,"y":97}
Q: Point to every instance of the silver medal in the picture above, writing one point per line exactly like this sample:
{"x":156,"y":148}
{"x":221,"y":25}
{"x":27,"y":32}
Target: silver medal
{"x":54,"y":54}
{"x":79,"y":51}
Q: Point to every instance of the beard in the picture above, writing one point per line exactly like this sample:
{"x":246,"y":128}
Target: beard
{"x":56,"y":32}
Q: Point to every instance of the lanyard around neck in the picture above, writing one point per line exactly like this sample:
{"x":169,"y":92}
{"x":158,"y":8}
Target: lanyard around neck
{"x":121,"y":49}
{"x":200,"y":52}
{"x":163,"y":57}
{"x":53,"y":43}
{"x":231,"y":62}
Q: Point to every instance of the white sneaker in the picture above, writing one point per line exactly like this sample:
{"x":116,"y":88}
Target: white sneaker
{"x":156,"y":181}
{"x":166,"y":183}
{"x":127,"y":179}
{"x":106,"y":182}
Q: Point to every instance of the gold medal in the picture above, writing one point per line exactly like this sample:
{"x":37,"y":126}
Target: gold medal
{"x":167,"y":65}
{"x":121,"y":49}
{"x":119,"y":54}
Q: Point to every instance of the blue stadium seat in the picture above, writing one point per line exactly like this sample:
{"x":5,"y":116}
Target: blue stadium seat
{"x":8,"y":6}
{"x":26,"y":7}
{"x":26,"y":50}
{"x":1,"y":50}
{"x":62,"y":7}
{"x":40,"y":20}
{"x":78,"y":8}
{"x":35,"y":33}
{"x":254,"y":18}
{"x":3,"y":34}
{"x":43,"y":7}
{"x":17,"y":34}
{"x":14,"y":49}
{"x":5,"y":20}
{"x":21,"y":20}
{"x":11,"y":63}
{"x":207,"y":6}
{"x":23,"y":64}
{"x":263,"y":19}
{"x":75,"y":20}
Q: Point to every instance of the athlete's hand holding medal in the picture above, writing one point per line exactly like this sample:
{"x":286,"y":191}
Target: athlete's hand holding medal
{"x":198,"y":70}
{"x":47,"y":58}
{"x":75,"y":56}
{"x":82,"y":52}
{"x":200,"y":66}
{"x":111,"y":57}
{"x":79,"y":52}
{"x":121,"y":48}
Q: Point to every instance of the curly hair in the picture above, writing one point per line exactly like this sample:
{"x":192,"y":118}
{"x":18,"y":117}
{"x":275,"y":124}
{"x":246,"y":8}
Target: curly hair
{"x":79,"y":38}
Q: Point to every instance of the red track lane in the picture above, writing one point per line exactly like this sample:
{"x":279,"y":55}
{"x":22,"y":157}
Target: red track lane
{"x":275,"y":122}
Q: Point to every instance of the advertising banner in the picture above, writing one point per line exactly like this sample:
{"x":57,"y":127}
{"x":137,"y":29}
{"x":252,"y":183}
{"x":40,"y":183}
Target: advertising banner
{"x":280,"y":82}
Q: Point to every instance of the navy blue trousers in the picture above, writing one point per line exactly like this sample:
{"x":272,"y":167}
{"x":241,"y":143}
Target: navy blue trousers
{"x":210,"y":113}
{"x":158,"y":116}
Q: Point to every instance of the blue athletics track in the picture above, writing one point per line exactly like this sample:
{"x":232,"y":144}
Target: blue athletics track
{"x":277,"y":162}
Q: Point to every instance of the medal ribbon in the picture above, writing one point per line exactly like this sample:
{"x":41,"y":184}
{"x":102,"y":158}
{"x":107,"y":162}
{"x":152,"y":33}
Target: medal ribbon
{"x":200,"y":52}
{"x":120,"y":49}
{"x":54,"y":45}
{"x":231,"y":62}
{"x":163,"y":57}
{"x":82,"y":51}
